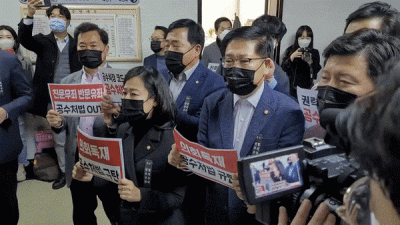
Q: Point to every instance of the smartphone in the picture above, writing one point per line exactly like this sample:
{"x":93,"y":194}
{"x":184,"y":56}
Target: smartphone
{"x":44,"y":3}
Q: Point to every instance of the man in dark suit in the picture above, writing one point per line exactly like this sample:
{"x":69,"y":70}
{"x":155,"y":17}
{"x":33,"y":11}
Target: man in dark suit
{"x":293,"y":169}
{"x":190,"y":83}
{"x":276,"y":29}
{"x":56,"y":58}
{"x":15,"y":97}
{"x":158,"y":43}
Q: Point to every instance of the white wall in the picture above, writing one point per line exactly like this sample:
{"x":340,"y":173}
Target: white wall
{"x":152,"y":13}
{"x":325,"y":17}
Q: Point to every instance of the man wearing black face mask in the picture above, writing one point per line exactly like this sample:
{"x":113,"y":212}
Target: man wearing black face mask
{"x":92,"y":51}
{"x":250,"y":114}
{"x":353,"y":62}
{"x":158,"y":46}
{"x":190,"y":83}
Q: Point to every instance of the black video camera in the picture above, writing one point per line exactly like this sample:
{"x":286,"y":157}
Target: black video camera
{"x":323,"y":175}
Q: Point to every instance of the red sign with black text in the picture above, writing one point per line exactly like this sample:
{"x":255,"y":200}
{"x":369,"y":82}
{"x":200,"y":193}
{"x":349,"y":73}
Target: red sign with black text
{"x":103,"y":157}
{"x":217,"y":165}
{"x":76,"y":99}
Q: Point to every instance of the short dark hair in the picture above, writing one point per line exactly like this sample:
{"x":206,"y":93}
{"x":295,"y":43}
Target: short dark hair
{"x":273,"y":25}
{"x":264,"y":47}
{"x":376,"y":47}
{"x":219,"y":21}
{"x":299,"y":32}
{"x":13,"y":33}
{"x":86,"y":27}
{"x":377,"y":116}
{"x":164,"y":29}
{"x":158,"y":88}
{"x":63,"y":11}
{"x":195,"y":31}
{"x":390,"y":17}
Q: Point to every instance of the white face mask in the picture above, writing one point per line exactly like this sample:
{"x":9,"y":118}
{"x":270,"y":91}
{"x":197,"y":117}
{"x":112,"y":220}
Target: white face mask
{"x":6,"y":44}
{"x":223,"y":34}
{"x":304,"y":43}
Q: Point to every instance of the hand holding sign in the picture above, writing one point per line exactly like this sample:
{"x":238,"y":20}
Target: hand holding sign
{"x":79,"y":174}
{"x":128,"y":191}
{"x":54,"y":118}
{"x":109,"y":108}
{"x":174,"y":157}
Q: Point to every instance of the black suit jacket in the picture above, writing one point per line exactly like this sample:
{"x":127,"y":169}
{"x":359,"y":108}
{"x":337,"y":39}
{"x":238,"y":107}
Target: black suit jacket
{"x":46,"y":49}
{"x":160,"y":202}
{"x":15,"y":98}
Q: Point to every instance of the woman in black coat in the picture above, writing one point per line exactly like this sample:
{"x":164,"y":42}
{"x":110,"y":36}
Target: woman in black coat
{"x":147,"y":196}
{"x":301,"y":60}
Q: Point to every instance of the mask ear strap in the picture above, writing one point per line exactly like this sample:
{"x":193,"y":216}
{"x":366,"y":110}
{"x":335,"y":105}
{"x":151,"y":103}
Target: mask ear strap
{"x":258,"y":69}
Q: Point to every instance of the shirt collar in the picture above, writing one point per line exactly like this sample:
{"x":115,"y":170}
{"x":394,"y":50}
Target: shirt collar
{"x":188,"y":73}
{"x":253,"y":99}
{"x":97,"y":75}
{"x":65,"y":40}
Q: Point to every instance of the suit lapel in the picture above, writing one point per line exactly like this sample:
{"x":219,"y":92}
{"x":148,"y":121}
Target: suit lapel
{"x":191,"y":85}
{"x":127,"y":144}
{"x":147,"y":144}
{"x":262,"y":115}
{"x":226,"y":121}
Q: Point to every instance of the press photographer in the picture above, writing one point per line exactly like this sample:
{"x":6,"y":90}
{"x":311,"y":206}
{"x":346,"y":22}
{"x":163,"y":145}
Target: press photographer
{"x":354,"y":62}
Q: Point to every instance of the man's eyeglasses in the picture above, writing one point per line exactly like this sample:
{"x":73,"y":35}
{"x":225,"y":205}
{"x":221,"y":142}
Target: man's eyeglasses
{"x":243,"y":62}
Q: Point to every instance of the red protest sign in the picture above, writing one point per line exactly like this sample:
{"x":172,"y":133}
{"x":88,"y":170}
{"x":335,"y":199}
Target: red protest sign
{"x":102,"y":157}
{"x":76,"y":99}
{"x":217,"y":165}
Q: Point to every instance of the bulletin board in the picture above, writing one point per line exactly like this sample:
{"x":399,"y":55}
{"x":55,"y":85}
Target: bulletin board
{"x":122,"y":24}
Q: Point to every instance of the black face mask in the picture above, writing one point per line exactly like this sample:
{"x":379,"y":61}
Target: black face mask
{"x":330,"y":97}
{"x":173,"y":61}
{"x":155,"y":46}
{"x":239,"y":81}
{"x":133,"y":110}
{"x":90,"y":58}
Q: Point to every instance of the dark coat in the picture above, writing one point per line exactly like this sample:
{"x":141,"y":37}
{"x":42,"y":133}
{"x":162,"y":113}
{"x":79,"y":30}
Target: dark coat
{"x":15,"y":97}
{"x":202,"y":83}
{"x":151,"y":61}
{"x":277,"y":118}
{"x":282,"y":78}
{"x":299,"y":72}
{"x":160,"y":204}
{"x":46,"y":49}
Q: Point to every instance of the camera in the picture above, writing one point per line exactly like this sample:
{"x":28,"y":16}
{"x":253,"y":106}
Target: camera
{"x":323,"y":174}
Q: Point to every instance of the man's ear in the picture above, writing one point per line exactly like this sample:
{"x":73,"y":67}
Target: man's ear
{"x":269,"y":69}
{"x":197,"y":48}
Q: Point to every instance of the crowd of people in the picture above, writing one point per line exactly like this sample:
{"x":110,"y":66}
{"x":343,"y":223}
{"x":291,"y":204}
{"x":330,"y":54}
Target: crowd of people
{"x":228,"y":95}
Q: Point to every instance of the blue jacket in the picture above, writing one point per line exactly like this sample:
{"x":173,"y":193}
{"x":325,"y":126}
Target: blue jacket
{"x":202,"y":83}
{"x":150,"y":61}
{"x":15,"y":97}
{"x":277,"y":118}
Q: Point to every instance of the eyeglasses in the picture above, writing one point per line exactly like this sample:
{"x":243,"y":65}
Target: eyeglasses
{"x":156,"y":39}
{"x":243,"y":62}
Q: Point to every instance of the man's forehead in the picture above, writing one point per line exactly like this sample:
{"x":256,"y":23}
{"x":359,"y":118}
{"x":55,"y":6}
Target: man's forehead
{"x":90,"y":36}
{"x":241,"y":46}
{"x":158,"y":33}
{"x":369,"y":23}
{"x":351,"y":65}
{"x":178,"y":34}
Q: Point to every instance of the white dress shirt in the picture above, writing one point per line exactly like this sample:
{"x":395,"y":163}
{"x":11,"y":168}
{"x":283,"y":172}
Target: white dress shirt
{"x":176,"y":85}
{"x":243,"y":113}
